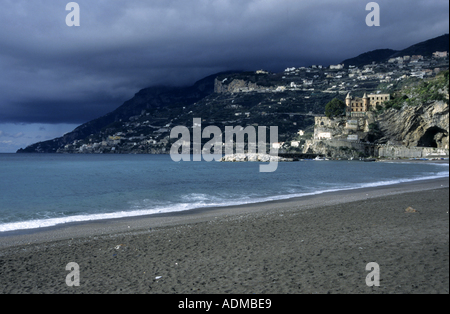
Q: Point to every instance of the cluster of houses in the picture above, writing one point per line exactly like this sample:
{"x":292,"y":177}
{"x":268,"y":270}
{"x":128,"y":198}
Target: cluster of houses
{"x":342,"y":78}
{"x":339,"y":78}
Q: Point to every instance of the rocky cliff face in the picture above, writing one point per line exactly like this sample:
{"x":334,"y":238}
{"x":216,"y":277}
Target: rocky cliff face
{"x":338,"y":149}
{"x":419,"y":116}
{"x":422,"y":126}
{"x":235,"y":86}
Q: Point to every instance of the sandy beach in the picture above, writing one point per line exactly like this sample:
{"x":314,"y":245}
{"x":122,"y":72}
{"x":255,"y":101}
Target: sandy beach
{"x":316,"y":244}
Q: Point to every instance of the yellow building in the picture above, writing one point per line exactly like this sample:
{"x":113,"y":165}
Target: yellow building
{"x":378,"y":99}
{"x":357,"y":107}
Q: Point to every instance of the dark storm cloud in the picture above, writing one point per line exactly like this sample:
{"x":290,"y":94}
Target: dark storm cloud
{"x":52,"y":73}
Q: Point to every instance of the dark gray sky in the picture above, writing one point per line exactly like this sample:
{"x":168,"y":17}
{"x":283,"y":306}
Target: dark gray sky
{"x":54,"y":77}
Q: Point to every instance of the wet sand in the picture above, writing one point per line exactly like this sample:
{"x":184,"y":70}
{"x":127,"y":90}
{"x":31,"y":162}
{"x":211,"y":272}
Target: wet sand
{"x":315,"y":244}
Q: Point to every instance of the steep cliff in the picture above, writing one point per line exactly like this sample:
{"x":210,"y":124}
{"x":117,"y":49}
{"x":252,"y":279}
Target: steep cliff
{"x":418,"y":116}
{"x":245,"y":81}
{"x":234,"y":86}
{"x":426,"y":125}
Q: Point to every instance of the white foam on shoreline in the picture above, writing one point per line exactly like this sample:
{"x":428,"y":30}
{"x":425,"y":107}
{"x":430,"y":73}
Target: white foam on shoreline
{"x":201,"y":203}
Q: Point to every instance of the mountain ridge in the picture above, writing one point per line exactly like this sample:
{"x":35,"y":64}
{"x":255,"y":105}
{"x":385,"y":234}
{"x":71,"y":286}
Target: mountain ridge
{"x":148,"y":97}
{"x":425,"y":48}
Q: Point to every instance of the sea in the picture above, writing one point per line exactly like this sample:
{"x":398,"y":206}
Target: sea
{"x":46,"y":190}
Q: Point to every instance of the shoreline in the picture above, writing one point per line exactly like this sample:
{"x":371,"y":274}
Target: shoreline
{"x":91,"y":228}
{"x":315,"y":244}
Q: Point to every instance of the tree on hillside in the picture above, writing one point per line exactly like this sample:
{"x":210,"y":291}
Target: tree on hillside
{"x":335,"y":108}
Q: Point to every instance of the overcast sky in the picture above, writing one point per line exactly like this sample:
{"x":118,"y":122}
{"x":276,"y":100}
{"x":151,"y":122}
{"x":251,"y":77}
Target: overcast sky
{"x":54,"y":77}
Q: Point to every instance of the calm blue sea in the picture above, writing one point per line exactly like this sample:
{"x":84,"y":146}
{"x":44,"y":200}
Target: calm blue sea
{"x":46,"y":190}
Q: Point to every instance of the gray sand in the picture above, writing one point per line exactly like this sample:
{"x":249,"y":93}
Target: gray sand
{"x":318,"y":244}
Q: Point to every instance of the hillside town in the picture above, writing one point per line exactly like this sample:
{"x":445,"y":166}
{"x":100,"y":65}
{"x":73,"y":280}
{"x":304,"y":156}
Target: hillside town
{"x":294,"y":88}
{"x":342,"y":78}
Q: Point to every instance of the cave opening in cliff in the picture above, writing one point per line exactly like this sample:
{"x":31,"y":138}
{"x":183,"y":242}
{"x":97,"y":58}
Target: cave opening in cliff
{"x":431,"y":137}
